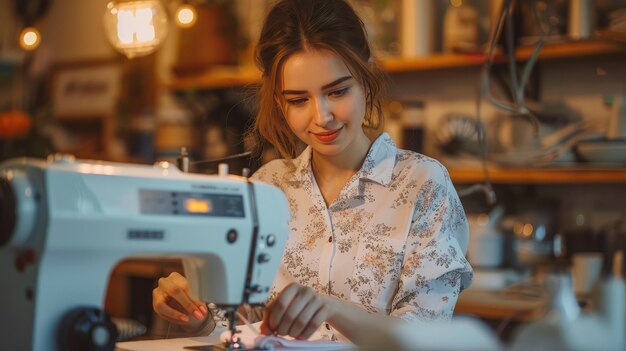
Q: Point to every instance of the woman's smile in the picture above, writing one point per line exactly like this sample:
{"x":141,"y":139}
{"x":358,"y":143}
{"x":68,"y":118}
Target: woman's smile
{"x":328,"y":136}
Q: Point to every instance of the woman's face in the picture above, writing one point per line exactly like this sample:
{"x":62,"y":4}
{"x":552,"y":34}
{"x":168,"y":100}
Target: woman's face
{"x":323,"y":104}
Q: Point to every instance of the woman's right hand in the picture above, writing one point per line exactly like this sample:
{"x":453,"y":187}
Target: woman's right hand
{"x":171,"y":301}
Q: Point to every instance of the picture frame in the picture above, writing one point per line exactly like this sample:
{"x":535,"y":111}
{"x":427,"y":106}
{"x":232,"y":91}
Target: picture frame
{"x":85,"y":98}
{"x":86,"y":89}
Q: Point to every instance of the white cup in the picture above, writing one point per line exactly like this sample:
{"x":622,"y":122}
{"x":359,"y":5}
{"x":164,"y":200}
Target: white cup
{"x":486,"y":243}
{"x":586,"y":268}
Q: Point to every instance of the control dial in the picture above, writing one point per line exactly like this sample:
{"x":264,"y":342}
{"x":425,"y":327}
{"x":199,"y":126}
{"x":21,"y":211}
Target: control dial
{"x":86,"y":329}
{"x":263,"y":258}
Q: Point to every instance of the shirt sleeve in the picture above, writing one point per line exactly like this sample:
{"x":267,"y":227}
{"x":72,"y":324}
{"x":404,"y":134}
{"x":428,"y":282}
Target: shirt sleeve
{"x":434,"y":270}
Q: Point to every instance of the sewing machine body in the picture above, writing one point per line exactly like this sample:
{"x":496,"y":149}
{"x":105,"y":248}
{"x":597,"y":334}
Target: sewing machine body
{"x":74,"y":221}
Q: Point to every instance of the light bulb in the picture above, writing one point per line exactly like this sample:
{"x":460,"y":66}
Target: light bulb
{"x":186,"y":16}
{"x":135,"y":28}
{"x":30,"y":38}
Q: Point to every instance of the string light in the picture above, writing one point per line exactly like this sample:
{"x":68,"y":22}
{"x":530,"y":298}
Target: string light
{"x":186,"y":16}
{"x":456,"y":3}
{"x":29,"y":13}
{"x":30,"y":38}
{"x":135,"y":28}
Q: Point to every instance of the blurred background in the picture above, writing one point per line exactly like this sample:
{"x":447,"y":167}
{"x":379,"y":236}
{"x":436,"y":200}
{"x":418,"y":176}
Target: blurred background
{"x":134,"y":81}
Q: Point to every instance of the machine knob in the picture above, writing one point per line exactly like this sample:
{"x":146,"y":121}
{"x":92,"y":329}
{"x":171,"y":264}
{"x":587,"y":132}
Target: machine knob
{"x":86,"y":329}
{"x":263,"y":258}
{"x":231,"y":236}
{"x":271,"y":240}
{"x":257,"y":289}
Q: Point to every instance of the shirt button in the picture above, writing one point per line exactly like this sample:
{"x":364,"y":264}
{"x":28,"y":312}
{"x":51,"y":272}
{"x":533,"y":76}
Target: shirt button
{"x":330,"y":239}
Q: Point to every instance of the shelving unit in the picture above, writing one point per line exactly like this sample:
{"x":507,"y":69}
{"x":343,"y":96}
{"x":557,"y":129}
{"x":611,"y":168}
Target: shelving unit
{"x":230,"y":77}
{"x":569,"y":175}
{"x":234,"y":76}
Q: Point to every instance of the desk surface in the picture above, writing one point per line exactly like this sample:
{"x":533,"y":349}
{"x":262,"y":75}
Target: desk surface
{"x":178,"y":344}
{"x":500,"y":305}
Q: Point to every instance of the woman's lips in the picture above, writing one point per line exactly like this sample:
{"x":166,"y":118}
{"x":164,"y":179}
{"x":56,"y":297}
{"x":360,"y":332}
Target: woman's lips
{"x":328,"y":136}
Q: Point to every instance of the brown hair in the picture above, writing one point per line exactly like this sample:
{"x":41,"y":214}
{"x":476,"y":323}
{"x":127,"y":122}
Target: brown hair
{"x":293,"y":26}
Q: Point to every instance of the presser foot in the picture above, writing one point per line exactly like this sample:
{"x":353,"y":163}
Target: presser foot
{"x":234,"y":343}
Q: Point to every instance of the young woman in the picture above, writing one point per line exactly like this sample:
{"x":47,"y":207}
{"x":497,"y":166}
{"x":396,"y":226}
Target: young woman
{"x":377,"y":233}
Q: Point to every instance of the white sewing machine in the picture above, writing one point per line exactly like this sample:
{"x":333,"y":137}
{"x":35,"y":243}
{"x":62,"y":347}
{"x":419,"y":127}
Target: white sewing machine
{"x":65,"y":223}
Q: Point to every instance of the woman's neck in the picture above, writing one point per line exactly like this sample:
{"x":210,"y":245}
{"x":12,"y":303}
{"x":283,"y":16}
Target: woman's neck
{"x":332,"y":172}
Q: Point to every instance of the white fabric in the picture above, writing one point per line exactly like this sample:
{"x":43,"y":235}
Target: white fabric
{"x":249,"y":335}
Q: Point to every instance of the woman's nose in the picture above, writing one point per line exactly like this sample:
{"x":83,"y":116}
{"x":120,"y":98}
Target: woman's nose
{"x":322,"y":112}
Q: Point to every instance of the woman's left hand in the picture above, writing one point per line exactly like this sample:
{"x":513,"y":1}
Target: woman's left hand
{"x":297,"y":311}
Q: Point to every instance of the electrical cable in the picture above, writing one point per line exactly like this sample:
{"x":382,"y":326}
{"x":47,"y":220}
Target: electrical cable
{"x":510,"y":49}
{"x":222,"y":159}
{"x":482,"y":92}
{"x":518,"y":86}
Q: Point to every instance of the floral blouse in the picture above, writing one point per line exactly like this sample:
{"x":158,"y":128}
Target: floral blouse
{"x":393,"y":241}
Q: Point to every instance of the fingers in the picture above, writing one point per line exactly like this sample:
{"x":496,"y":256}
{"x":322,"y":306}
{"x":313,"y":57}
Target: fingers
{"x":279,"y":306}
{"x":314,"y":323}
{"x":179,"y":280}
{"x":264,"y":329}
{"x":171,"y":300}
{"x":180,"y":298}
{"x":294,"y":313}
{"x":300,"y":323}
{"x":160,"y":306}
{"x":297,"y":312}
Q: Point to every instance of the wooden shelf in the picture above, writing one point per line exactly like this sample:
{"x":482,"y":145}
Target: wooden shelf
{"x":434,"y":62}
{"x":573,"y":49}
{"x":548,"y":52}
{"x":540,"y":175}
{"x":216,"y":78}
{"x":233,"y":77}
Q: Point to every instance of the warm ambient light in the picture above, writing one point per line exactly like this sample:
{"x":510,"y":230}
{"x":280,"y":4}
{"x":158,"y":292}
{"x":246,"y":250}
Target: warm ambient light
{"x":135,"y":28}
{"x":186,"y":16}
{"x":30,"y":38}
{"x":456,"y":3}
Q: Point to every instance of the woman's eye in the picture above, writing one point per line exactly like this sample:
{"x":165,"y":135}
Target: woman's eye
{"x":296,"y":102}
{"x":339,"y":92}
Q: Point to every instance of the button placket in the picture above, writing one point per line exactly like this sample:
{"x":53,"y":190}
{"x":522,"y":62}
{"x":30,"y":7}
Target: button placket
{"x":330,"y":213}
{"x":326,"y":256}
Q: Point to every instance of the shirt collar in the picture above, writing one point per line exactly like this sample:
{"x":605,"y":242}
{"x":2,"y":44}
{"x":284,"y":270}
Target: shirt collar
{"x":380,"y":160}
{"x":377,"y":167}
{"x":302,"y":164}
